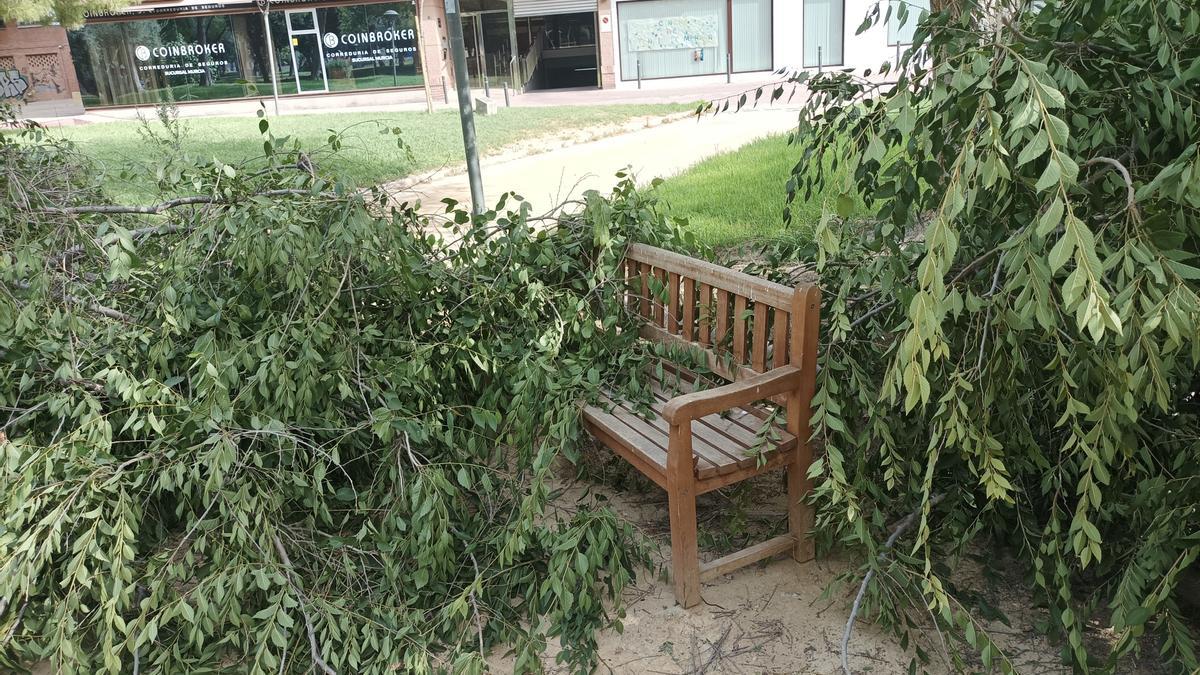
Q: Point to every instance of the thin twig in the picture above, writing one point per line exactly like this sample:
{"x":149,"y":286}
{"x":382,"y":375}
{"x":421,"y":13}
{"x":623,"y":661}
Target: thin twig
{"x":988,"y":318}
{"x":716,"y":654}
{"x":475,"y":607}
{"x":898,"y":530}
{"x":308,"y":624}
{"x":77,"y":250}
{"x":1130,"y":193}
{"x":970,"y":267}
{"x":90,"y":306}
{"x":12,"y":630}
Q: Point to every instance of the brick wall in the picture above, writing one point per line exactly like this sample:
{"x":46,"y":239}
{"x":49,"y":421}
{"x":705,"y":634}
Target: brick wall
{"x":44,"y":83}
{"x":608,"y":73}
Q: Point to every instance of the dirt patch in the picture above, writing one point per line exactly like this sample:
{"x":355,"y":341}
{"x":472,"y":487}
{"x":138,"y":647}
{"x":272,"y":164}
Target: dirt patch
{"x":534,"y":145}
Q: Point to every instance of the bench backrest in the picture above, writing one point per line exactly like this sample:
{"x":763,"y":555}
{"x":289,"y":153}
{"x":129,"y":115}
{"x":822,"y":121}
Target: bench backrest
{"x":745,"y":324}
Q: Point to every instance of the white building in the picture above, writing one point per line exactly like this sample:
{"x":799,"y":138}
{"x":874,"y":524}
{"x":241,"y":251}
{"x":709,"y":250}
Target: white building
{"x":663,"y":40}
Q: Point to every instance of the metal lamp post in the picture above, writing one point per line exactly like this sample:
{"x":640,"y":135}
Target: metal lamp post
{"x":466,"y":111}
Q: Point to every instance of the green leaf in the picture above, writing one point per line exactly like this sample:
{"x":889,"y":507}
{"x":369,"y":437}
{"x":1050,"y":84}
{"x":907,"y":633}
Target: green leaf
{"x":1051,"y":175}
{"x":1035,"y":148}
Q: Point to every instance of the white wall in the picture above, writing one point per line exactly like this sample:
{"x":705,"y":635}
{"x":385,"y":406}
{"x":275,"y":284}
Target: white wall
{"x":866,"y":51}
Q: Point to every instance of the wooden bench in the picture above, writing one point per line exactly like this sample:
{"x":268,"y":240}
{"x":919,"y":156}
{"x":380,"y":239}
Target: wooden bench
{"x":759,"y":336}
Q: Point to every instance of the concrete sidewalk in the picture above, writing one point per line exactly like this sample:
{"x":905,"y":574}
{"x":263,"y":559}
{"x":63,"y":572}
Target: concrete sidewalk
{"x":413,"y":100}
{"x":547,"y":180}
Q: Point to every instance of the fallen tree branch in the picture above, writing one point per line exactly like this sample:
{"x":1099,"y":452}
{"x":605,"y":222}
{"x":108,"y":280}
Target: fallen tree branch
{"x":155,"y":209}
{"x":308,"y":624}
{"x":897,"y":530}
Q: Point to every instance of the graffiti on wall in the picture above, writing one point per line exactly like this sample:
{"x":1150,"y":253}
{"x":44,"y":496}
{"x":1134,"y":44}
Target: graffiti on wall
{"x":12,"y":84}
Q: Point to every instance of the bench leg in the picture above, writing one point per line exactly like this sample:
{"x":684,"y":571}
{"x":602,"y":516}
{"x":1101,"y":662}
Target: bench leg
{"x":681,"y":494}
{"x":685,"y":559}
{"x":800,"y":514}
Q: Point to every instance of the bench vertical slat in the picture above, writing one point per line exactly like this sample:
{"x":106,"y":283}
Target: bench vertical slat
{"x":644,"y":302}
{"x":672,"y":324}
{"x":661,"y":275}
{"x":631,"y":281}
{"x":739,"y":330}
{"x":689,"y":308}
{"x":722,"y":318}
{"x":706,"y":310}
{"x":758,"y":353}
{"x":781,"y":338}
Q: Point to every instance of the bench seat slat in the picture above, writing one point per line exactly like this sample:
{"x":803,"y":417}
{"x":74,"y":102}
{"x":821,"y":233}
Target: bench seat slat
{"x":720,"y":445}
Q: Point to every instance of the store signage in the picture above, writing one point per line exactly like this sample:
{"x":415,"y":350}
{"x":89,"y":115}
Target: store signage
{"x":143,"y":11}
{"x":367,"y":46}
{"x":144,"y":53}
{"x":332,"y":40}
{"x":182,"y":59}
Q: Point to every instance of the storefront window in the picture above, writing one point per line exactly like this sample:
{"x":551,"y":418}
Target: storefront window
{"x":226,"y":56}
{"x":751,"y":35}
{"x":188,"y":59}
{"x":823,"y":32}
{"x":672,"y":38}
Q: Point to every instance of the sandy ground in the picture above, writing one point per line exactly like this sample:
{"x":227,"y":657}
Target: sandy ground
{"x":772,"y":617}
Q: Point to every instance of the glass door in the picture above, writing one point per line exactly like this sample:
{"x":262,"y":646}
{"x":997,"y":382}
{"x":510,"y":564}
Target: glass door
{"x":485,"y":35}
{"x":308,"y":55}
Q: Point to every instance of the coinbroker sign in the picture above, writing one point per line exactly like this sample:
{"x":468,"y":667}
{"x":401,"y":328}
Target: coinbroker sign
{"x":143,"y":53}
{"x":332,"y":40}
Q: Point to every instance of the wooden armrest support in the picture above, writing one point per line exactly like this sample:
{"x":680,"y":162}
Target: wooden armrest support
{"x":698,"y":404}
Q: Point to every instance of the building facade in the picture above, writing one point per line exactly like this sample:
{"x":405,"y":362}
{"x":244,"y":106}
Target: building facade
{"x":210,"y":50}
{"x":658,"y":41}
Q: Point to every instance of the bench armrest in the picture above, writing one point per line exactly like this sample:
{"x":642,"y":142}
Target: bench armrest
{"x":698,"y":404}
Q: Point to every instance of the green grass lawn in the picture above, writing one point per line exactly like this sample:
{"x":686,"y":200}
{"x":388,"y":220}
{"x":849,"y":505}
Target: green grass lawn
{"x":366,"y":157}
{"x":738,"y":196}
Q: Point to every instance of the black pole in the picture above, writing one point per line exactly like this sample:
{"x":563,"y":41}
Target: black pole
{"x":465,"y":111}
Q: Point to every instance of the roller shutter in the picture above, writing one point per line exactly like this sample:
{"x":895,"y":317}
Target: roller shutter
{"x":544,"y":7}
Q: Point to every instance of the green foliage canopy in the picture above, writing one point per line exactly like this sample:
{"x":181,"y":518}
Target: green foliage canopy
{"x":1017,"y":329}
{"x":67,"y":12}
{"x":281,"y":427}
